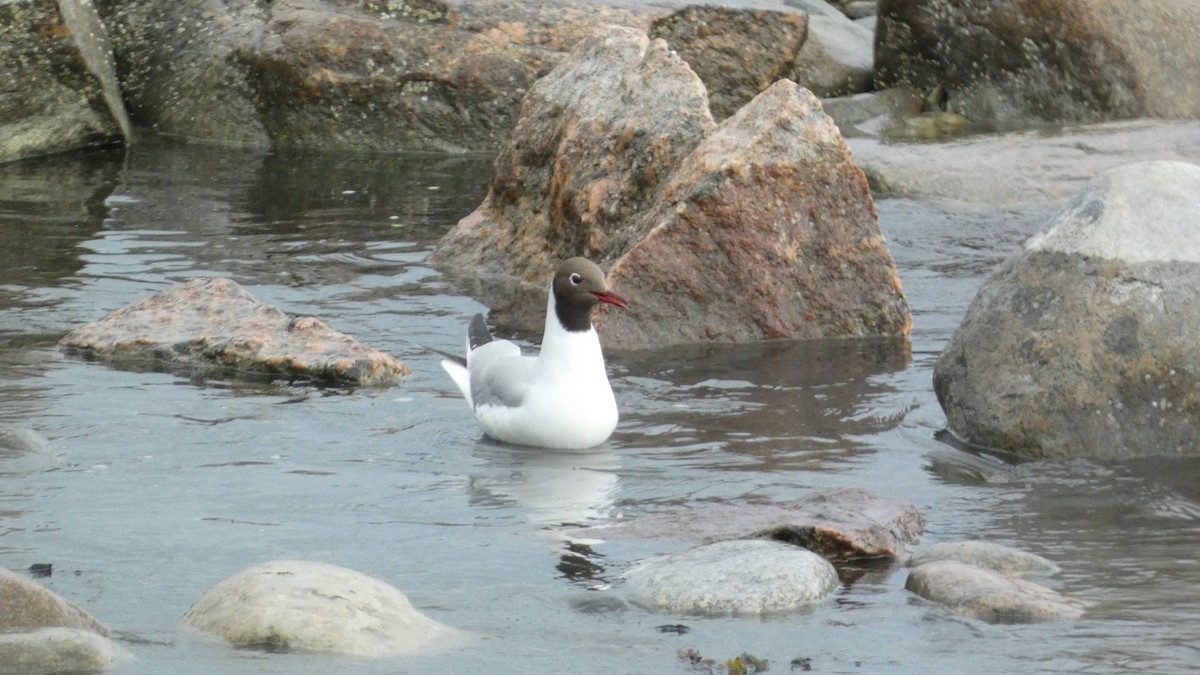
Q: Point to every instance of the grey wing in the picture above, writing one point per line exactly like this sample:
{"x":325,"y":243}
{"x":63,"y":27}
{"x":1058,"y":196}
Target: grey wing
{"x":500,"y":375}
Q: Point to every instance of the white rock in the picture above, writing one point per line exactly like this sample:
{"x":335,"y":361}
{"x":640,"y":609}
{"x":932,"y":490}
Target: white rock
{"x":57,"y":650}
{"x":837,"y":57}
{"x":19,"y":441}
{"x":741,"y":577}
{"x":988,"y":555}
{"x":312,"y":606}
{"x":1162,"y":198}
{"x":983,"y":594}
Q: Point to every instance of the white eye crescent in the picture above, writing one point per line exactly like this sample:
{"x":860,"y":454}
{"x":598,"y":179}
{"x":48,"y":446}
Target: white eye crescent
{"x":575,"y":278}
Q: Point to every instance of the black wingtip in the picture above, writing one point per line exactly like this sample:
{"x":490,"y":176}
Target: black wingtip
{"x":478,"y":334}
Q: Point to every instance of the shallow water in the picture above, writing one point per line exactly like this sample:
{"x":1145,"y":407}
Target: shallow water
{"x":158,"y":485}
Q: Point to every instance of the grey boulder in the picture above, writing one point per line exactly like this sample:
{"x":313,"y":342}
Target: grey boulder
{"x":1083,"y":342}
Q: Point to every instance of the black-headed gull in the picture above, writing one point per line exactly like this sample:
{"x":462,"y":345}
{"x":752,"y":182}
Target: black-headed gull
{"x":561,"y":397}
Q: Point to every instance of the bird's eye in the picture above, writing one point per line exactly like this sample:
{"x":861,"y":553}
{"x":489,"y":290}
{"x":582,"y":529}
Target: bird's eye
{"x":575,"y":279}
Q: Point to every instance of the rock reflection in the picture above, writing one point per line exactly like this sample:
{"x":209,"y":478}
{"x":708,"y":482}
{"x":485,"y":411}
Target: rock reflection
{"x":49,"y":205}
{"x":757,"y":399}
{"x":182,"y":210}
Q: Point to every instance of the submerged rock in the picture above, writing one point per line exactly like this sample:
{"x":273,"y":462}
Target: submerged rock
{"x":41,"y":632}
{"x":22,"y":441}
{"x":1082,"y":343}
{"x":743,"y":577}
{"x":988,"y":595}
{"x":850,"y":523}
{"x":26,"y":604}
{"x":216,"y":325}
{"x":315,"y":607}
{"x":841,"y":524}
{"x":1074,"y":60}
{"x":52,"y":651}
{"x":1001,"y":559}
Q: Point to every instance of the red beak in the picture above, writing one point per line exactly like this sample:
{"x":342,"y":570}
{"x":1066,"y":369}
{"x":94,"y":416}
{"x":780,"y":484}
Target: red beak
{"x":608,"y":297}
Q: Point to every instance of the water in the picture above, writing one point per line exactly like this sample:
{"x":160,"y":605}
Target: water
{"x":157,"y":486}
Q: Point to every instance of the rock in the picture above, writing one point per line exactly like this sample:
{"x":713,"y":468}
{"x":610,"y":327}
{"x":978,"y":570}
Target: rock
{"x":216,"y":325}
{"x":837,"y":58}
{"x":738,"y":52}
{"x":850,"y":523}
{"x":95,"y":48}
{"x":616,"y":159}
{"x":181,"y":66}
{"x":814,"y":7}
{"x":1081,"y":344}
{"x":840,"y":524}
{"x":860,"y":9}
{"x":872,"y":113}
{"x":437,"y":77}
{"x":41,"y":632}
{"x":597,"y":138}
{"x":1003,"y":61}
{"x":51,"y":651}
{"x":1022,"y":167}
{"x":313,"y":607}
{"x":346,"y":74}
{"x":998,"y":558}
{"x":987,"y":595}
{"x":734,"y":578}
{"x":58,"y":78}
{"x":26,"y":605}
{"x":767,"y":230}
{"x":21,"y":441}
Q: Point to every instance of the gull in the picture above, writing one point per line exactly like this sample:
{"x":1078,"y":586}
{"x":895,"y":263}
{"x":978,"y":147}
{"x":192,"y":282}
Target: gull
{"x":560,"y":398}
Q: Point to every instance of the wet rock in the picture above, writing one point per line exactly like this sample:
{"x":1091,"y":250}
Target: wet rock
{"x":59,"y":89}
{"x":215,"y":325}
{"x":738,"y":52}
{"x":1081,"y":343}
{"x":767,"y":230}
{"x":988,"y":595}
{"x":747,"y":577}
{"x":998,"y":558}
{"x":1002,"y":61}
{"x":837,"y":58}
{"x":41,"y":632}
{"x":314,"y":607}
{"x":597,"y":138}
{"x":47,"y":651}
{"x":850,"y":523}
{"x":26,"y":605}
{"x":840,"y":524}
{"x":21,"y":441}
